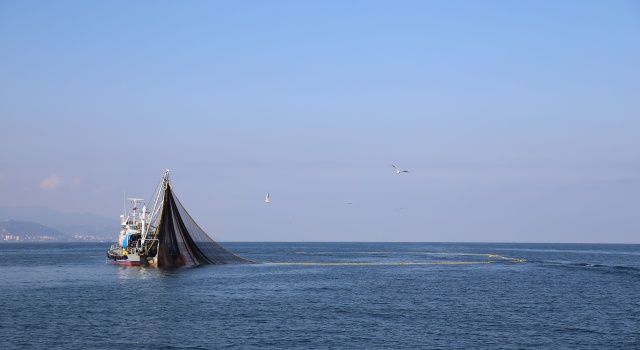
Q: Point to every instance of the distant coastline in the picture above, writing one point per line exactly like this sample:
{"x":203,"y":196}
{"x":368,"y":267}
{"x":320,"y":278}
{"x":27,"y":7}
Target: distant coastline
{"x":16,"y":231}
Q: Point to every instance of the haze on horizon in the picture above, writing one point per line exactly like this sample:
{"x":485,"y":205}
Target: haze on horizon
{"x":518,"y":121}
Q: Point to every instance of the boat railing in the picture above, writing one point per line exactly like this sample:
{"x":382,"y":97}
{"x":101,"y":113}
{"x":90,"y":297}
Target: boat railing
{"x":139,"y":242}
{"x":148,"y":242}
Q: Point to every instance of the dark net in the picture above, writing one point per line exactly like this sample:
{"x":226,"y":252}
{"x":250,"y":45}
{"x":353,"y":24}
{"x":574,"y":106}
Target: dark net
{"x":181,"y":242}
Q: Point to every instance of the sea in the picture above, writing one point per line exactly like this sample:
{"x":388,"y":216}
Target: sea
{"x":326,"y":296}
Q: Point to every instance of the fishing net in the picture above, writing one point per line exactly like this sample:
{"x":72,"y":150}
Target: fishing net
{"x":181,"y":242}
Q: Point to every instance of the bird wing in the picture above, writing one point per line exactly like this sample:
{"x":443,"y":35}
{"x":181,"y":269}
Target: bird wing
{"x":394,"y":166}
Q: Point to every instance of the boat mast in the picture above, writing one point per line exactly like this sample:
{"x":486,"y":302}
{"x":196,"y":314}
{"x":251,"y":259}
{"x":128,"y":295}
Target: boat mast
{"x":157,"y":205}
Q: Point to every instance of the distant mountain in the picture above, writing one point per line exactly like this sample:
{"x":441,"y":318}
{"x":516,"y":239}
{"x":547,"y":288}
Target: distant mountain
{"x":13,"y":230}
{"x":71,"y":224}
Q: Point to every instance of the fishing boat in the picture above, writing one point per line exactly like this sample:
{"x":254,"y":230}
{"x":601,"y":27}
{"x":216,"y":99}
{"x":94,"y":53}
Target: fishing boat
{"x":128,"y":250}
{"x":165,"y":235}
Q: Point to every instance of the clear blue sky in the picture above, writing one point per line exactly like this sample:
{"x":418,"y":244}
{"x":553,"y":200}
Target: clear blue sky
{"x":519,"y":120}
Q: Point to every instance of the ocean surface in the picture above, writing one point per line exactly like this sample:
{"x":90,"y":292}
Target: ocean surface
{"x":327,"y":296}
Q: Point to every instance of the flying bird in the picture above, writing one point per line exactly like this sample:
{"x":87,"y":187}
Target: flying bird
{"x":267,"y":198}
{"x":398,"y":170}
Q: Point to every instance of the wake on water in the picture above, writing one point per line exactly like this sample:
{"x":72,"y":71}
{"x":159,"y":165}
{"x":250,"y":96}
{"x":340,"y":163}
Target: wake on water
{"x":489,"y":259}
{"x":479,"y":259}
{"x":602,"y":268}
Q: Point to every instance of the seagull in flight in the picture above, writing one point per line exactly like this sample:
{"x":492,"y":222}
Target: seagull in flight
{"x":398,"y":170}
{"x":267,"y":198}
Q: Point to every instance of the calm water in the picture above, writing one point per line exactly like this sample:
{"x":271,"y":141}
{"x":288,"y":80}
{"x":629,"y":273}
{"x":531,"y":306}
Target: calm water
{"x":327,"y":295}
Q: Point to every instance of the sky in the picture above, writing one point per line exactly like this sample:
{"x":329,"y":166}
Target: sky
{"x":518,"y":120}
